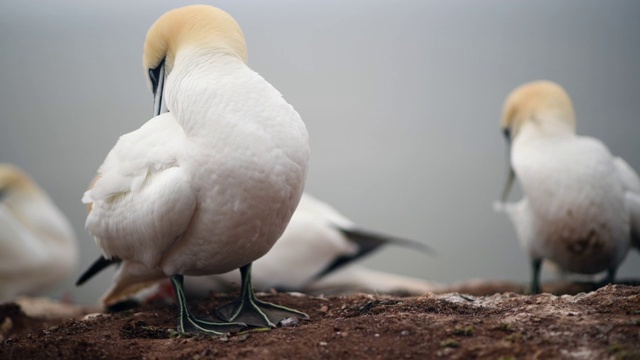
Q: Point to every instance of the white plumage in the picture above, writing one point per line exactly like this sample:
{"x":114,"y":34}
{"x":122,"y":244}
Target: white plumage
{"x":37,"y":244}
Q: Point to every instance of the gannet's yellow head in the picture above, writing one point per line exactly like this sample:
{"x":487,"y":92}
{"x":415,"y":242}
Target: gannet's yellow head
{"x":12,"y":179}
{"x":544,"y":103}
{"x":195,"y":25}
{"x":537,"y":101}
{"x":201,"y":26}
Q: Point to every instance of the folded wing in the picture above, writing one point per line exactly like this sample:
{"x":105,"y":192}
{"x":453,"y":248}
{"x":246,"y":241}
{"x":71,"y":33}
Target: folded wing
{"x":142,"y":200}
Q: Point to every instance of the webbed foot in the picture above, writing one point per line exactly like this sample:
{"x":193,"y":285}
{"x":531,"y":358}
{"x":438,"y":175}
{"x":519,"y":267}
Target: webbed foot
{"x":251,"y":311}
{"x":189,"y":324}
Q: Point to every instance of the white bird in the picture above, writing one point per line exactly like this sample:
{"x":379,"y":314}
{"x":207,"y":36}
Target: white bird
{"x":581,"y":205}
{"x":37,"y":244}
{"x":315,"y":254}
{"x":322,"y":246}
{"x":209,"y":186}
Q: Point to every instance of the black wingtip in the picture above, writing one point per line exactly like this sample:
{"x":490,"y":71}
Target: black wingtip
{"x":367,"y":242}
{"x":100,"y":264}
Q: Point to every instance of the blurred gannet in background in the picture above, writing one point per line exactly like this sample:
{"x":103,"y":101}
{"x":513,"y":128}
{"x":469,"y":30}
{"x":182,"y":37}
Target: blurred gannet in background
{"x":315,"y":254}
{"x":581,"y":205}
{"x":209,"y":186}
{"x":37,"y":244}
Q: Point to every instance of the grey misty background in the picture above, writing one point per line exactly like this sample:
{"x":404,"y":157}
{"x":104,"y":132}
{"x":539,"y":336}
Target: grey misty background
{"x":402,"y":101}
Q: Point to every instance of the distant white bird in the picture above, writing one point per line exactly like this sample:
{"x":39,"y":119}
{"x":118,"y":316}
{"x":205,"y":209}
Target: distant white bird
{"x":316,"y":254}
{"x":209,"y":186}
{"x":581,"y":205}
{"x":37,"y":244}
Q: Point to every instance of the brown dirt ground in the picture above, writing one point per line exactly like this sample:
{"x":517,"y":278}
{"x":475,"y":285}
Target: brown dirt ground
{"x":596,"y":325}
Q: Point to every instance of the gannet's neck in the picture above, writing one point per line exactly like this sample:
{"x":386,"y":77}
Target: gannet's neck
{"x":195,"y":86}
{"x":545,"y":126}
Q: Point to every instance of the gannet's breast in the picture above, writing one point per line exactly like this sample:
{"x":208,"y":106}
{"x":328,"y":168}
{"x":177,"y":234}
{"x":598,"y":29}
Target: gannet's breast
{"x":576,"y":200}
{"x":246,"y":155}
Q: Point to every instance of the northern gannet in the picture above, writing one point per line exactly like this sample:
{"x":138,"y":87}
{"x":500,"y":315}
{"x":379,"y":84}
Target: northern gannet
{"x":580,"y":208}
{"x":209,"y":186}
{"x":38,"y":246}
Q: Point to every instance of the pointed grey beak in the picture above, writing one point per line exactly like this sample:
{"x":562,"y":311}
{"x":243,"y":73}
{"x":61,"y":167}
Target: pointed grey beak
{"x":157,"y":77}
{"x":512,"y":175}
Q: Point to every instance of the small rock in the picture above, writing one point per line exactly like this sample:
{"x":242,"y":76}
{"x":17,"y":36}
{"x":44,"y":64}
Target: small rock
{"x":404,"y":332}
{"x":93,"y":316}
{"x":376,"y":335}
{"x":324,"y":309}
{"x":290,"y":322}
{"x":322,"y":343}
{"x":243,"y":337}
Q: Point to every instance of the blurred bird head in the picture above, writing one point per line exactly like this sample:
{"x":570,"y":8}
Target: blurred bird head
{"x":542,"y":105}
{"x":14,"y":181}
{"x":198,"y":28}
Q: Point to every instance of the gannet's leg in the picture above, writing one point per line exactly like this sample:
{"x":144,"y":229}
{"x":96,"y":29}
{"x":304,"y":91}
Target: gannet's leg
{"x":536,"y":264}
{"x":251,"y":311}
{"x":187,"y":323}
{"x":611,"y":276}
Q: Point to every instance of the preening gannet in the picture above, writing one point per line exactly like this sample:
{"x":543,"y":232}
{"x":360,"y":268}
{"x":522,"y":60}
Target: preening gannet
{"x":209,"y":186}
{"x":581,"y":204}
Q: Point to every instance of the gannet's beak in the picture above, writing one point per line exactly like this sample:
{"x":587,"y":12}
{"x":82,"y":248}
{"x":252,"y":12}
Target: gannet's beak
{"x":157,"y":77}
{"x":512,"y":175}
